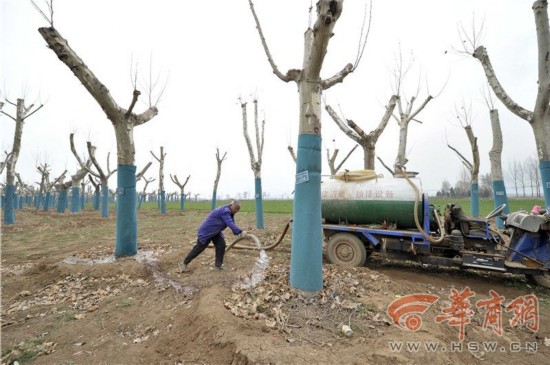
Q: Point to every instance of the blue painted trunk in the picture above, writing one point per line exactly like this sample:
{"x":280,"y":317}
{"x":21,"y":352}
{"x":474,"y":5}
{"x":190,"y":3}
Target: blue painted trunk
{"x":62,"y":201}
{"x":544,"y":167}
{"x":474,"y":199}
{"x":47,"y":201}
{"x":16,"y":200}
{"x":105,"y":201}
{"x":259,"y":203}
{"x":96,"y":200}
{"x":213,"y":205}
{"x":500,"y":197}
{"x":306,"y":258}
{"x":126,"y":212}
{"x":82,"y":199}
{"x":163,"y":202}
{"x":75,"y":199}
{"x":38,"y":201}
{"x":182,"y":202}
{"x":21,"y":202}
{"x":9,"y":208}
{"x":140,"y":201}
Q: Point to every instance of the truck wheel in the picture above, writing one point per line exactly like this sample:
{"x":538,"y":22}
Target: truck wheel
{"x":345,"y":249}
{"x":542,"y":280}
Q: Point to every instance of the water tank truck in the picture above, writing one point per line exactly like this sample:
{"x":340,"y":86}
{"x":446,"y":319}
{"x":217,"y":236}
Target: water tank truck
{"x":364,"y":213}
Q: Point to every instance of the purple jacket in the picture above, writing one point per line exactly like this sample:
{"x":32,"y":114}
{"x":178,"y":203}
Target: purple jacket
{"x":218,"y":220}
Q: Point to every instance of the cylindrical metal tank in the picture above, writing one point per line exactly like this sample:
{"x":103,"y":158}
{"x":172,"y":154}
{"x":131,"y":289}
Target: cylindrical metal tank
{"x":371,"y":201}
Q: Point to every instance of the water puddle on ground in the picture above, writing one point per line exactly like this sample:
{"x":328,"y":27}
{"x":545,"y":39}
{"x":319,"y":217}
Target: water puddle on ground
{"x":148,"y":258}
{"x":258,"y":272}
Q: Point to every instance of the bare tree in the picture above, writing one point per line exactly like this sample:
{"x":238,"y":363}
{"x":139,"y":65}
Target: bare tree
{"x":97,"y":187}
{"x":78,"y":177}
{"x":464,"y":116}
{"x":485,"y":186}
{"x":22,"y":112}
{"x":495,"y":157}
{"x":182,"y":189}
{"x":75,"y":184}
{"x":306,"y":257}
{"x":531,"y":166}
{"x":162,"y":193}
{"x":367,"y":141}
{"x":407,"y":113}
{"x":44,"y":172}
{"x":513,"y":174}
{"x":219,"y":161}
{"x":445,"y":187}
{"x":123,"y":121}
{"x":50,"y":185}
{"x":143,"y":194}
{"x":522,"y":176}
{"x":539,"y":118}
{"x":103,"y":178}
{"x":255,"y":158}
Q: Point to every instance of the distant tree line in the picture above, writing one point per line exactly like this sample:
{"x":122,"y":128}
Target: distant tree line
{"x":522,"y":179}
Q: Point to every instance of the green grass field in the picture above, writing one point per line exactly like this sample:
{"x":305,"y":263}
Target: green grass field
{"x":285,"y":206}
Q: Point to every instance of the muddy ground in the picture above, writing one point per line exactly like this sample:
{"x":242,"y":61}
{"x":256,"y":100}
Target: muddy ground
{"x":66,"y":301}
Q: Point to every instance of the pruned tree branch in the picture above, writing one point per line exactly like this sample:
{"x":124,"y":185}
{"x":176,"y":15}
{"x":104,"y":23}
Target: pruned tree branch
{"x":292,"y":154}
{"x":481,"y":54}
{"x":292,"y":75}
{"x":142,"y":172}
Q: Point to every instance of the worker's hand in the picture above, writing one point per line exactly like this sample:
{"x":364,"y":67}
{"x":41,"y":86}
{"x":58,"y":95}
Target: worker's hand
{"x":243,"y":234}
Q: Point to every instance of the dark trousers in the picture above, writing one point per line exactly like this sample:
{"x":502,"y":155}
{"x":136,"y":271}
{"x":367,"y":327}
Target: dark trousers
{"x":219,"y":244}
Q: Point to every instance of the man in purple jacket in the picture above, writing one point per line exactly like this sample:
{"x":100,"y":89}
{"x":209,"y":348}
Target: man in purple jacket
{"x":211,"y":231}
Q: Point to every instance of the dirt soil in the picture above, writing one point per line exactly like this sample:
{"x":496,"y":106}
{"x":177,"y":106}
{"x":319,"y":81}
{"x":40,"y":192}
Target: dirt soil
{"x":65,"y":300}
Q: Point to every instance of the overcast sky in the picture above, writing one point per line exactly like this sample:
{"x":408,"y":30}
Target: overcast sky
{"x":210,"y":54}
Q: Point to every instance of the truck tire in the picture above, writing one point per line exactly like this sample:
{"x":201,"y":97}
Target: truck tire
{"x":346,"y":249}
{"x":541,"y":280}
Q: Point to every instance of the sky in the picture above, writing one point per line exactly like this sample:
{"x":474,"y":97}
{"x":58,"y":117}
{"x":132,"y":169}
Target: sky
{"x":208,"y":55}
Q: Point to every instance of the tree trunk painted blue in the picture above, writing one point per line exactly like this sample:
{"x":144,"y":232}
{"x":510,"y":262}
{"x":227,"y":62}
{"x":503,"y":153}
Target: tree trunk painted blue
{"x":126,"y":212}
{"x":306,"y":258}
{"x":38,"y":201}
{"x":9,"y":208}
{"x":544,"y":167}
{"x":162,"y":202}
{"x":75,"y":199}
{"x":82,"y":200}
{"x":500,"y":197}
{"x":15,"y":200}
{"x":474,"y":199}
{"x":213,"y":205}
{"x":96,"y":200}
{"x":21,"y":202}
{"x":105,"y":201}
{"x":182,"y":202}
{"x":259,"y":203}
{"x":62,"y":201}
{"x":140,"y":201}
{"x":47,"y":201}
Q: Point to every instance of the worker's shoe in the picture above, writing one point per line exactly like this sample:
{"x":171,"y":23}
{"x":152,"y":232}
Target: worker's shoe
{"x":183,"y":268}
{"x":214,"y":267}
